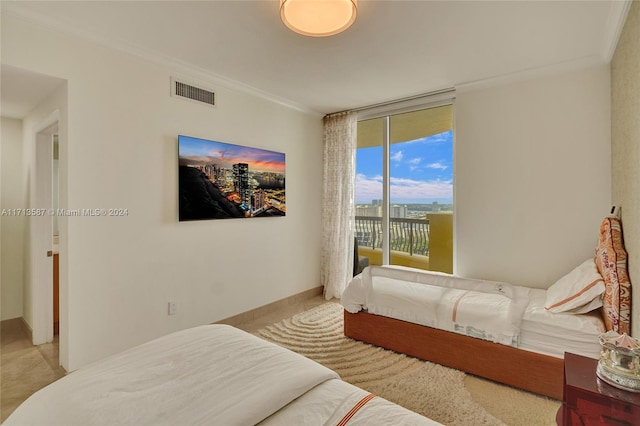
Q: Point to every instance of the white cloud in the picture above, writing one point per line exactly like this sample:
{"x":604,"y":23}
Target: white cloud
{"x":370,"y":188}
{"x":414,"y":163}
{"x":437,"y":166}
{"x":397,"y":156}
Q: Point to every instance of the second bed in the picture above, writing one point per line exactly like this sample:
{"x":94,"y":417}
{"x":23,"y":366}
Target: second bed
{"x":511,"y":334}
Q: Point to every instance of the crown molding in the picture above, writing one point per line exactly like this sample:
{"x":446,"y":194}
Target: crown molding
{"x":615,"y":23}
{"x":530,"y":74}
{"x":24,"y":12}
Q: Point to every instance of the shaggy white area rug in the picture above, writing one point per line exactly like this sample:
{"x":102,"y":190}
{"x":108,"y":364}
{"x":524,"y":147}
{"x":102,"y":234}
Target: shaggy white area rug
{"x":430,"y":389}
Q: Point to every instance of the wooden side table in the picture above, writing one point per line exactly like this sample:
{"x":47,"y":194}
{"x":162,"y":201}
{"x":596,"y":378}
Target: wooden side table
{"x":589,"y":401}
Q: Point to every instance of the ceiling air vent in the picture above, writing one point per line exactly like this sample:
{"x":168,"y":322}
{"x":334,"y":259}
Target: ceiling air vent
{"x":192,"y":92}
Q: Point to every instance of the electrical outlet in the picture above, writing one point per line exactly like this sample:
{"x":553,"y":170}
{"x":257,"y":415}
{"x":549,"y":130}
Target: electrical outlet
{"x":173,"y":308}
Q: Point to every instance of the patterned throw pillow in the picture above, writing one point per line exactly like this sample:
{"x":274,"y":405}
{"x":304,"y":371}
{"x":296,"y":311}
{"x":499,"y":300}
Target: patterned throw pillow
{"x":611,"y":260}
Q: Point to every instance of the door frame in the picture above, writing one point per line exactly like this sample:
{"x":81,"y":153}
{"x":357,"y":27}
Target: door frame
{"x":41,"y":232}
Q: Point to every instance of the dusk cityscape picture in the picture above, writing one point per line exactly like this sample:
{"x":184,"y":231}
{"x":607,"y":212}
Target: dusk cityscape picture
{"x":218,"y":180}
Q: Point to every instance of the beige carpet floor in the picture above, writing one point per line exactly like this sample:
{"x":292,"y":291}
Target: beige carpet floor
{"x":443,"y":394}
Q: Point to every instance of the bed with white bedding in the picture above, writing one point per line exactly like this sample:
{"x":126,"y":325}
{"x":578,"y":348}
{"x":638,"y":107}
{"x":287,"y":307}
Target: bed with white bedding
{"x":511,"y":334}
{"x":556,"y":333}
{"x":209,"y":375}
{"x":446,"y":302}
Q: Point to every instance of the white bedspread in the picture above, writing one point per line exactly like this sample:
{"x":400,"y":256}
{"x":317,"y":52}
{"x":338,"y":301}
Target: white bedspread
{"x":208,"y":375}
{"x":333,"y":401}
{"x":554,"y":334}
{"x":213,"y":375}
{"x":483,"y":309}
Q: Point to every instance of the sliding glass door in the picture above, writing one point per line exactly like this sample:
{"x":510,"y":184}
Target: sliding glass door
{"x":404,"y":188}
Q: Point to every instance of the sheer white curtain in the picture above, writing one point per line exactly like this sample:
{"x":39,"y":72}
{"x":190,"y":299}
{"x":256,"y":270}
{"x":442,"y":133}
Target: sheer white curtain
{"x":340,"y":131}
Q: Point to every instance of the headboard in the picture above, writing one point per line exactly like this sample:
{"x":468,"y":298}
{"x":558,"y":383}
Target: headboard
{"x":611,"y":260}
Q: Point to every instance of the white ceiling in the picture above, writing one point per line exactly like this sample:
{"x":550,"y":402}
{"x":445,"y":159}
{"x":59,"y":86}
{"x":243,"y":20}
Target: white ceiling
{"x":395,"y":49}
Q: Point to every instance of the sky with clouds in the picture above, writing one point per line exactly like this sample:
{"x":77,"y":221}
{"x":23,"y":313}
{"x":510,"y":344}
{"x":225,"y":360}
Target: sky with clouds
{"x":202,"y":151}
{"x":421,"y":171}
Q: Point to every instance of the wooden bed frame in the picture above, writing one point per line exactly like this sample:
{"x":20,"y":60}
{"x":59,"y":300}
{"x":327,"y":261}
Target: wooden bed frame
{"x":522,"y":369}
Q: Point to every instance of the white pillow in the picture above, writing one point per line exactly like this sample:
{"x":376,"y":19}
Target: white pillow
{"x":594,"y":304}
{"x":577,"y":292}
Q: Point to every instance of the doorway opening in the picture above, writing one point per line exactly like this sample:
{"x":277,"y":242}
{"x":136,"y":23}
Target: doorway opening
{"x":56,"y":236}
{"x":44,"y":236}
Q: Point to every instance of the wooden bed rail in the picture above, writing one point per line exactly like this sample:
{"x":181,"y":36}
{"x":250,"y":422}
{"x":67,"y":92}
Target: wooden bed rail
{"x":522,"y":369}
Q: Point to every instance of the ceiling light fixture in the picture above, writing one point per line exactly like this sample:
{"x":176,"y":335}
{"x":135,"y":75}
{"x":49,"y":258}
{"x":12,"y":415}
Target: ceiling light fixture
{"x":318,"y":18}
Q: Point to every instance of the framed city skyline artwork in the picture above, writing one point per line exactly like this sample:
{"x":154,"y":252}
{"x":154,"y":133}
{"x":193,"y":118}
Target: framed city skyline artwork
{"x":218,"y":180}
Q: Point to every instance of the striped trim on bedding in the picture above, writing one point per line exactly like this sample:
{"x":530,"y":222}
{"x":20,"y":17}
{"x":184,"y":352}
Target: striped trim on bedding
{"x":575,"y":295}
{"x":454,"y":312}
{"x":355,"y":409}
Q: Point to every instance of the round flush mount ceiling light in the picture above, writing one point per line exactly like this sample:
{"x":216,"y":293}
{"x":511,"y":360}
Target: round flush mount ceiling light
{"x":318,"y":18}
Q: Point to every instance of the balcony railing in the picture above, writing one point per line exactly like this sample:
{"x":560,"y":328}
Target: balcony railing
{"x":406,"y":235}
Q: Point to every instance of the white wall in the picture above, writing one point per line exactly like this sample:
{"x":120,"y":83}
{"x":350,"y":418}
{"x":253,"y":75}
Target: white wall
{"x":532,"y":176}
{"x":118,"y":273}
{"x":12,"y":237}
